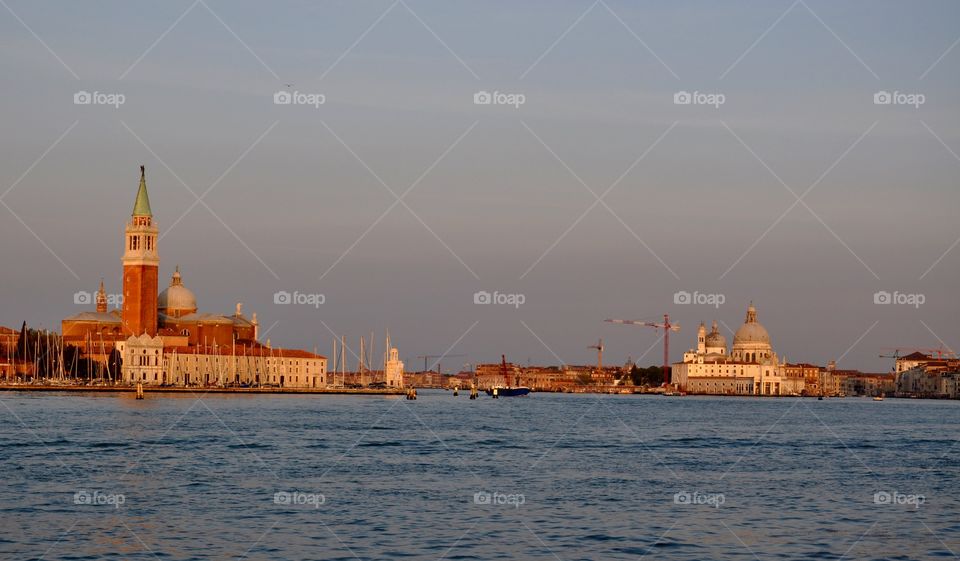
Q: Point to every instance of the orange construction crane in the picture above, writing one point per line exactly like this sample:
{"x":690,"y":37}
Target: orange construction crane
{"x":667,"y":328}
{"x":599,"y":347}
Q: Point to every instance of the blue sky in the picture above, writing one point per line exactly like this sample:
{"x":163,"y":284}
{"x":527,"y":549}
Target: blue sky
{"x":303,"y":198}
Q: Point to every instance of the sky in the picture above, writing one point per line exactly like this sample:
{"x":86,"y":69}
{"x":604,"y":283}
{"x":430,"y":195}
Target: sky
{"x":586,"y":189}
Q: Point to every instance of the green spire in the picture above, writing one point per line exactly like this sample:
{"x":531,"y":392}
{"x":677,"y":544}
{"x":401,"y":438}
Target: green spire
{"x":142,"y":206}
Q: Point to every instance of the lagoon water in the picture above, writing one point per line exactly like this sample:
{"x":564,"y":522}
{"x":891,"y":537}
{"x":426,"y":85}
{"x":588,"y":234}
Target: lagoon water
{"x":545,"y":477}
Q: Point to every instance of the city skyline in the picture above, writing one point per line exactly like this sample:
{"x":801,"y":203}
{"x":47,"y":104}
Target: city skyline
{"x":311,"y":199}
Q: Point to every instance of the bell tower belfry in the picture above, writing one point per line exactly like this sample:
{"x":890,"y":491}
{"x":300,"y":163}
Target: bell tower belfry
{"x":141,"y":264}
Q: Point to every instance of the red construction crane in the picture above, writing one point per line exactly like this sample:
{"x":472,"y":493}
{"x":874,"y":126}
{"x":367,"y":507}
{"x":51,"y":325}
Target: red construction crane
{"x":667,"y":328}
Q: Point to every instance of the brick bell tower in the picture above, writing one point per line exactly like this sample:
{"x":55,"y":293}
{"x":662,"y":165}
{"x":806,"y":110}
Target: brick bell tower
{"x":140,"y":267}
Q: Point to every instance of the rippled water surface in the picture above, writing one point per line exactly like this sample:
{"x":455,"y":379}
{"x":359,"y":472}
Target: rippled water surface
{"x":576,"y":476}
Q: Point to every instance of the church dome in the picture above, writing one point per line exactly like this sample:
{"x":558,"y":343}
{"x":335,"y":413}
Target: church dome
{"x":177,"y":300}
{"x":751,"y":333}
{"x":715,"y":339}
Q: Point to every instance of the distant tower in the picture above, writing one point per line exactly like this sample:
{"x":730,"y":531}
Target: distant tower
{"x":392,"y":366}
{"x":702,"y":339}
{"x":140,"y":267}
{"x":101,"y":299}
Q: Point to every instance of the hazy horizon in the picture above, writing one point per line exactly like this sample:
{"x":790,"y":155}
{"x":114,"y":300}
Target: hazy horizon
{"x":304,"y":199}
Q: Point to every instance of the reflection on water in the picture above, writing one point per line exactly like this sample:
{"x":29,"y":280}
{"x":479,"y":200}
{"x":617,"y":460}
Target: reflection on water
{"x":545,"y":477}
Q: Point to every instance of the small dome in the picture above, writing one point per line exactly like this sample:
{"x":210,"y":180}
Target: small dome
{"x":177,"y":299}
{"x":715,"y":338}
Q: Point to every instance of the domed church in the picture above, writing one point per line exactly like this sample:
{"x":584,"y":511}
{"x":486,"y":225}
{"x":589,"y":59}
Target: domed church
{"x":164,"y":339}
{"x":750,"y":368}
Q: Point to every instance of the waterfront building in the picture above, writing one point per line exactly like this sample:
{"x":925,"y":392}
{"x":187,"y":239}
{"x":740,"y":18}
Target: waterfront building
{"x":393,"y":367}
{"x":163,"y":338}
{"x":750,"y":368}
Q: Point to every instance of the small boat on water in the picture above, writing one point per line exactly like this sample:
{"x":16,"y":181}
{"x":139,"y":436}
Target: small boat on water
{"x":878,"y":398}
{"x":507,"y":390}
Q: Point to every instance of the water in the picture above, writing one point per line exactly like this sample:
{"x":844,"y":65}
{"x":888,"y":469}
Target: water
{"x":597,"y":476}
